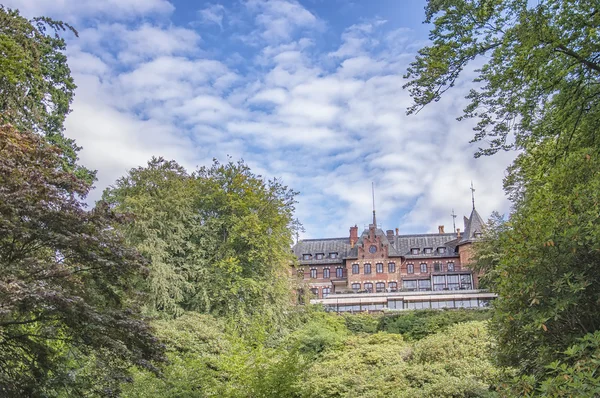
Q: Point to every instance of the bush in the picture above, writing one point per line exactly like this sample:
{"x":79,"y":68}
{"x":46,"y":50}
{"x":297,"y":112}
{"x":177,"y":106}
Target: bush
{"x":415,"y":325}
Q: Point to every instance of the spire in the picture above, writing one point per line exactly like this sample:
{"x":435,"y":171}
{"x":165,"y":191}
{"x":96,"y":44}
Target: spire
{"x":373,"y":191}
{"x":473,"y":195}
{"x":453,"y":221}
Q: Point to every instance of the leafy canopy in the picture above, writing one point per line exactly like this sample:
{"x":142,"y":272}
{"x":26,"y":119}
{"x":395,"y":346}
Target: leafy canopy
{"x":540,"y":72}
{"x":36,"y":87}
{"x":65,"y":294}
{"x":218,"y":239}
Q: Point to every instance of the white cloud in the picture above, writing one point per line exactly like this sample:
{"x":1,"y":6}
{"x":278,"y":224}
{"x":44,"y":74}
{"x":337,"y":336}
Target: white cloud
{"x":328,"y":122}
{"x":214,"y":14}
{"x":74,"y":10}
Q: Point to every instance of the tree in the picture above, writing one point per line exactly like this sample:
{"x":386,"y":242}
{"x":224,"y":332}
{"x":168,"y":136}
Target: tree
{"x":36,"y":87}
{"x":538,"y":91}
{"x":69,"y":320}
{"x":540,"y":73}
{"x":218,"y":239}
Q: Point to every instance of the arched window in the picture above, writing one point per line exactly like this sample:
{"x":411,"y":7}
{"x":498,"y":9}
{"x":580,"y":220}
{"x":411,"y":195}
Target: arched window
{"x":356,"y":287}
{"x":313,"y":273}
{"x":451,"y":266}
{"x":355,"y":269}
{"x":437,"y":267}
{"x":379,"y":267}
{"x":369,"y":287}
{"x":380,"y":287}
{"x":410,"y":268}
{"x":391,"y":268}
{"x":326,"y":291}
{"x":393,"y":286}
{"x":367,"y":268}
{"x":423,"y":268}
{"x":339,"y":272}
{"x":325,"y":272}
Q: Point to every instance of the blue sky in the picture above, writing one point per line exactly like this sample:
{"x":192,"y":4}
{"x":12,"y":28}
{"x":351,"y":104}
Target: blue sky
{"x":307,"y":91}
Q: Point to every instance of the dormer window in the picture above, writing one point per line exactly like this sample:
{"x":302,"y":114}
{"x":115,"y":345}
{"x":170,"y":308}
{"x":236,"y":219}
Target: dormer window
{"x":306,"y":257}
{"x":428,"y":250}
{"x":477,"y":235}
{"x":319,"y":256}
{"x":333,"y":255}
{"x":441,"y":250}
{"x":414,"y":251}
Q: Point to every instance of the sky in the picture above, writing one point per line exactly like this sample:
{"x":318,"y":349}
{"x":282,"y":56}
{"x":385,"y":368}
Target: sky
{"x":306,"y":91}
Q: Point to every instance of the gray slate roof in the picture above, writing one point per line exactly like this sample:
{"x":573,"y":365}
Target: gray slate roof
{"x":473,"y":225}
{"x":400,"y":246}
{"x":341,"y":246}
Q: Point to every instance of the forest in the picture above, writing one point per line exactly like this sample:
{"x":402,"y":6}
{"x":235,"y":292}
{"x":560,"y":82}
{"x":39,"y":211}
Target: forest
{"x":178,"y":283}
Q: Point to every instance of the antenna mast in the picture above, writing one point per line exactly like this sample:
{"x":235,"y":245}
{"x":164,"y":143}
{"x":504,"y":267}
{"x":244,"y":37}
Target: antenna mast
{"x":473,"y":195}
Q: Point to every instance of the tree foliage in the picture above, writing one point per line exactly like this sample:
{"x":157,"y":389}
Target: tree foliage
{"x":64,"y":281}
{"x":540,"y":70}
{"x":218,"y":239}
{"x":36,"y":87}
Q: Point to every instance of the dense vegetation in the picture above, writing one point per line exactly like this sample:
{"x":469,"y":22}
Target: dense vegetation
{"x":538,"y":92}
{"x":178,"y":283}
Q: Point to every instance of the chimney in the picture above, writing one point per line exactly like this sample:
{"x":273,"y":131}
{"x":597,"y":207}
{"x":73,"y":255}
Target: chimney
{"x":441,"y":229}
{"x":353,"y":235}
{"x":458,"y":232}
{"x":397,"y":231}
{"x":390,"y":234}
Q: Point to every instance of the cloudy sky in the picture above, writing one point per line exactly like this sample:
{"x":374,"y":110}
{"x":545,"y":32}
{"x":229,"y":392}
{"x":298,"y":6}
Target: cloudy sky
{"x":307,"y":91}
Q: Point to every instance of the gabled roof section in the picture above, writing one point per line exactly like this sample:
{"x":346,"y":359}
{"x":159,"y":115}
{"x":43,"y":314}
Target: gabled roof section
{"x":473,"y":225}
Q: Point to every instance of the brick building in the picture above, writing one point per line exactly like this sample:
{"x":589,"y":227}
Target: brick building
{"x":378,"y":265}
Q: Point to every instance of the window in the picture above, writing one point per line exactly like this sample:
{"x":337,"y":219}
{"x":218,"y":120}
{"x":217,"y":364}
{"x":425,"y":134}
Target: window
{"x":393,"y":286}
{"x":465,"y":281}
{"x":326,"y":291}
{"x":355,"y":269}
{"x":428,"y":250}
{"x":369,"y":287}
{"x":379,"y":267}
{"x":424,"y":285}
{"x":319,"y":256}
{"x":423,"y":268}
{"x":453,"y":282}
{"x":315,"y":291}
{"x":437,"y":267}
{"x":414,"y":251}
{"x":306,"y":257}
{"x":380,"y":287}
{"x":477,"y":235}
{"x":410,"y":268}
{"x":356,"y":287}
{"x":300,"y":273}
{"x":333,"y":255}
{"x":391,"y":268}
{"x":339,"y":272}
{"x":451,"y":266}
{"x":409,"y":285}
{"x":441,"y":250}
{"x":439,"y":282}
{"x":313,"y":273}
{"x":367,"y":268}
{"x":325,"y":272}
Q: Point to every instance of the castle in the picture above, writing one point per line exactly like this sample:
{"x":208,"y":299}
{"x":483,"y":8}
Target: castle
{"x":377,"y":270}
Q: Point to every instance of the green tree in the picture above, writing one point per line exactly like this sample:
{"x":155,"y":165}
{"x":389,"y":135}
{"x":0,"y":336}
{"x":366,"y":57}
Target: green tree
{"x":69,"y":321}
{"x":540,"y":72}
{"x":36,"y":87}
{"x":538,"y":91}
{"x":218,"y":239}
